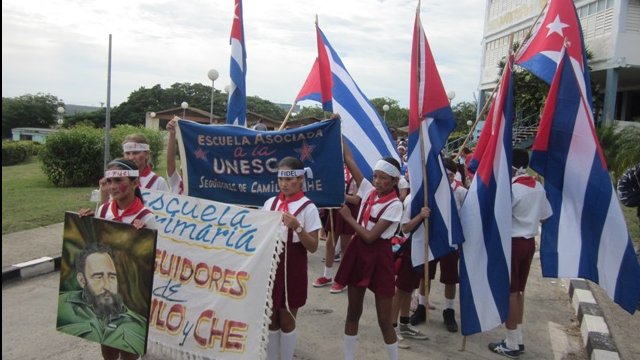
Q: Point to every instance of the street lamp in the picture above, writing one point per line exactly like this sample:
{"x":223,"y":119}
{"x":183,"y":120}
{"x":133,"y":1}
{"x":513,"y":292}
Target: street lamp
{"x":184,"y":107}
{"x":152,"y":115}
{"x":213,"y":76}
{"x":60,"y":110}
{"x":469,"y":122}
{"x":385,"y":108}
{"x":451,"y":95}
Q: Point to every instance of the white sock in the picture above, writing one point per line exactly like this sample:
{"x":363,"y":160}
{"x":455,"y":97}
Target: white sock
{"x":273,"y":346}
{"x":519,"y":330}
{"x":328,"y":272}
{"x":338,"y":250}
{"x":288,"y":344}
{"x":421,"y":300}
{"x":392,"y":350}
{"x":448,"y":303}
{"x":512,"y":339}
{"x":349,"y":346}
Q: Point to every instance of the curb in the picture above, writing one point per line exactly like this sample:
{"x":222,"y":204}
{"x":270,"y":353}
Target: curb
{"x":28,"y":269}
{"x":595,"y":332}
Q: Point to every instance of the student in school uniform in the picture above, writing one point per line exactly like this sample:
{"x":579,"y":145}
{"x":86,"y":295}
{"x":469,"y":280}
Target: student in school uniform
{"x":368,"y":260}
{"x":126,"y":206}
{"x":300,"y":225}
{"x":343,"y":231}
{"x":529,"y":208}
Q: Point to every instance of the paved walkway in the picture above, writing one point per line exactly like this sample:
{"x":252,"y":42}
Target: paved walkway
{"x":32,"y":252}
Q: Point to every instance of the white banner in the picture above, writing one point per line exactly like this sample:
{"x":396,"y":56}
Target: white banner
{"x":213,"y":268}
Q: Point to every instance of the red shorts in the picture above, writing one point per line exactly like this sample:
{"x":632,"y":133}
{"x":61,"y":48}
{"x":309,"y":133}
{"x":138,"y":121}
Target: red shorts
{"x":406,"y":278}
{"x":340,"y":226}
{"x":448,"y":268}
{"x":296,"y":283}
{"x":369,"y":266}
{"x":522,"y":250}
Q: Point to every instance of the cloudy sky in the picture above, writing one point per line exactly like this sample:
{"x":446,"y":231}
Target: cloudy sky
{"x":60,"y":47}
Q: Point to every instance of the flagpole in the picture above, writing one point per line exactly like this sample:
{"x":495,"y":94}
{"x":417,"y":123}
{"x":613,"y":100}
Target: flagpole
{"x":425,"y":221}
{"x":284,"y":122}
{"x":484,"y":108}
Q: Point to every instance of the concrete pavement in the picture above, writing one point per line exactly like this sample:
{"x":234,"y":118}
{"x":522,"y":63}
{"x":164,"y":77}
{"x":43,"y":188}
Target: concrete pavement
{"x":552,"y":327}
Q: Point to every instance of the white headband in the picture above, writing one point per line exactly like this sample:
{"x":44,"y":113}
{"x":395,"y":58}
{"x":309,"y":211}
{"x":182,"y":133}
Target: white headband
{"x":120,"y":173}
{"x":132,"y":146}
{"x":387,"y":168}
{"x":295,"y":173}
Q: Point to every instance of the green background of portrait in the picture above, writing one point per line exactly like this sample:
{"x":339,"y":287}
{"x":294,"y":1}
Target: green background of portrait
{"x":133,"y":250}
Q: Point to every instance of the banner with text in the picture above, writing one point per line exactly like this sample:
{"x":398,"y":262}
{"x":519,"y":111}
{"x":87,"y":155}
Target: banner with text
{"x":237,"y":165}
{"x":212,"y":271}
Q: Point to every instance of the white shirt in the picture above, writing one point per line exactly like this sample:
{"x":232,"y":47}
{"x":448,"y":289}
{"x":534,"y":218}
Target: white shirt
{"x":393,"y":213}
{"x":174,"y":183}
{"x":149,"y":220}
{"x":459,"y":193}
{"x":529,"y":206}
{"x":403,"y":183}
{"x":309,"y":217}
{"x":160,"y":183}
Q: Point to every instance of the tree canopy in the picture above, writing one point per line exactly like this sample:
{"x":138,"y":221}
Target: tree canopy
{"x":29,"y":111}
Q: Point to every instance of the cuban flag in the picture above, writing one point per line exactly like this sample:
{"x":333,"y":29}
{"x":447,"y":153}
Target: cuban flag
{"x":430,"y":122}
{"x":329,"y":82}
{"x":587,"y":236}
{"x":237,"y":104}
{"x":485,"y":256}
{"x":541,"y":53}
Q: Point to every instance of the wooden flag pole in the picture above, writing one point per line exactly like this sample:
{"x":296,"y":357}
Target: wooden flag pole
{"x":286,"y":118}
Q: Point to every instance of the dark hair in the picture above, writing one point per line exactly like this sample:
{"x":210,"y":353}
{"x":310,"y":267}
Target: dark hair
{"x":93,"y":248}
{"x":450,"y":165}
{"x":291,"y":162}
{"x":124,"y":164}
{"x":520,"y":158}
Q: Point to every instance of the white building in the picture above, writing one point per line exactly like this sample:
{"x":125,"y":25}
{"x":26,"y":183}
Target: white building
{"x":611,"y":31}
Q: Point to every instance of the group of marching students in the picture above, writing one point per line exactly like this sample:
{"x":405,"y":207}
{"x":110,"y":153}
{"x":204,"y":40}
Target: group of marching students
{"x":370,"y":229}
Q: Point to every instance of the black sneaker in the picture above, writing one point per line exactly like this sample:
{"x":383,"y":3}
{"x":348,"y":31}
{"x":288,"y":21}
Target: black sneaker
{"x":502,"y":349}
{"x":449,"y":316}
{"x":521,"y":348}
{"x":419,"y":316}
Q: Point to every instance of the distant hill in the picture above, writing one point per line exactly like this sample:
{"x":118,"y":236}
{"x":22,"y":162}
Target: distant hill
{"x":70,"y":109}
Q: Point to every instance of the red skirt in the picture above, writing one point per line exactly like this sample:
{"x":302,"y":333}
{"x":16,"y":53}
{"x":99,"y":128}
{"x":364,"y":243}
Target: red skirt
{"x":369,"y":266}
{"x":296,"y":284}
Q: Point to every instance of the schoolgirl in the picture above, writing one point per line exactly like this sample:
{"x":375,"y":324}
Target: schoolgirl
{"x":368,"y":260}
{"x":300,"y":225}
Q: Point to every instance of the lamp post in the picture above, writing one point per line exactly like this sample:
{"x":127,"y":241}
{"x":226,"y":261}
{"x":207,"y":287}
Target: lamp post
{"x":184,"y":107}
{"x":451,"y":95}
{"x":60,"y":111}
{"x":213,"y":76}
{"x":385,"y":108}
{"x":469,"y":122}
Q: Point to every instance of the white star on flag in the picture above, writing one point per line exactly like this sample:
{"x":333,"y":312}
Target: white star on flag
{"x":556,"y":26}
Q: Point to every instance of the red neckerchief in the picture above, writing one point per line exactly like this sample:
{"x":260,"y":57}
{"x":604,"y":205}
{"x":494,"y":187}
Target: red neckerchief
{"x":145,"y":171}
{"x":132,"y":209}
{"x":371,"y":201}
{"x":284,"y":203}
{"x":526,"y":180}
{"x":456,"y":184}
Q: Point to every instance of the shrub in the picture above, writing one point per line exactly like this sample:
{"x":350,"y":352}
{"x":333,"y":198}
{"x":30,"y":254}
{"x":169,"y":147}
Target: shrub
{"x":13,"y":152}
{"x":74,"y":157}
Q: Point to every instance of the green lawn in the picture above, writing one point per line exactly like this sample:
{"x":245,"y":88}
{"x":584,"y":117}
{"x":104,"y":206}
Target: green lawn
{"x":30,"y":201}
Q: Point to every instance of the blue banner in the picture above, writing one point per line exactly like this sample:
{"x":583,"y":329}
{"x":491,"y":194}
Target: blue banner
{"x":236,"y":165}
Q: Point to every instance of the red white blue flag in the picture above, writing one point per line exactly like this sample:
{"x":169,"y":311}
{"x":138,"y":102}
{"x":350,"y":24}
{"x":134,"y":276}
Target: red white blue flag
{"x":330,"y":83}
{"x":587,"y":236}
{"x":485,"y":256}
{"x":541,"y":53}
{"x":237,"y":104}
{"x":430,"y":123}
